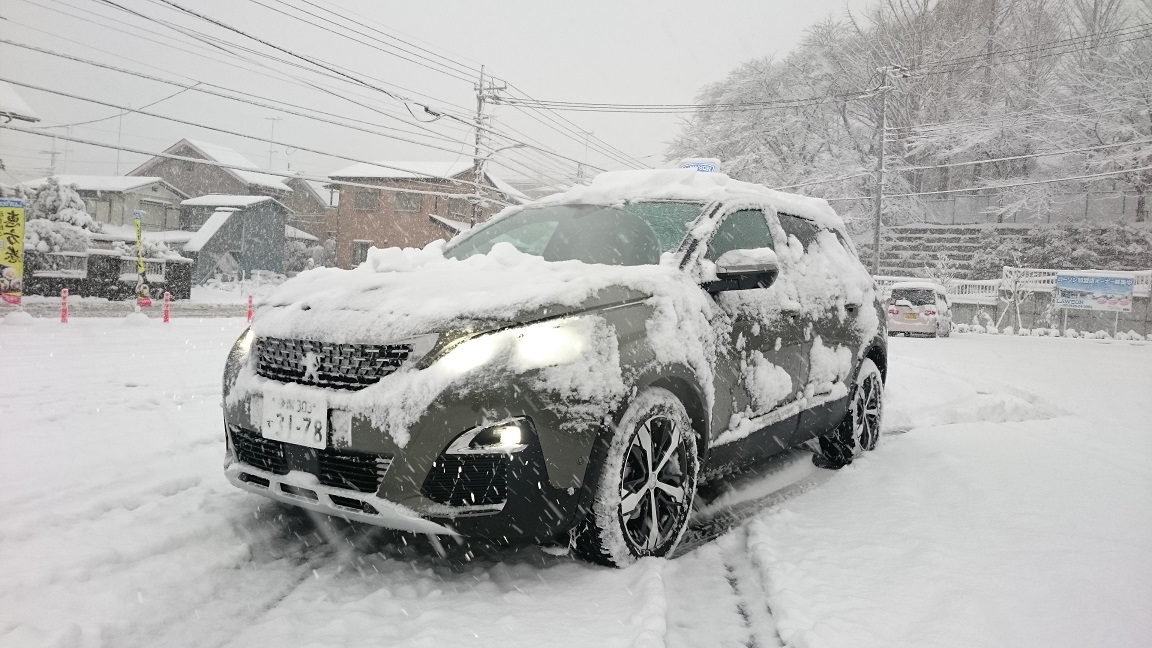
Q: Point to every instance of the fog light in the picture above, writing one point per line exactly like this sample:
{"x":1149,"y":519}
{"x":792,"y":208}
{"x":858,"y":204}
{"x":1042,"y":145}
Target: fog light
{"x":500,"y":438}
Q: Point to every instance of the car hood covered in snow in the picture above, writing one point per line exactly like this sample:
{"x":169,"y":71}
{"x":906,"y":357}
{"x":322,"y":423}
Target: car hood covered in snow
{"x":398,"y":293}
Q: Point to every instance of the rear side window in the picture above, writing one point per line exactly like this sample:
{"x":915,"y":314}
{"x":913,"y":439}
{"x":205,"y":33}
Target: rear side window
{"x":746,"y":229}
{"x":803,"y":230}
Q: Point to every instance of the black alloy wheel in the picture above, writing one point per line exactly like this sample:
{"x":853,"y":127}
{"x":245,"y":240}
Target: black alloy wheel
{"x":653,"y":500}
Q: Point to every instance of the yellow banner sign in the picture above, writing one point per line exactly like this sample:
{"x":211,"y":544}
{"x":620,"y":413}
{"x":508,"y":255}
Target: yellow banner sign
{"x":11,"y":250}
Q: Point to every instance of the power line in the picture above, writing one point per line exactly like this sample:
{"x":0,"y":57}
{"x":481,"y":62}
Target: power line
{"x":1024,"y":157}
{"x":235,"y":133}
{"x":1143,"y":31}
{"x":1089,"y":176}
{"x":829,"y":180}
{"x":272,"y":106}
{"x":446,"y":70}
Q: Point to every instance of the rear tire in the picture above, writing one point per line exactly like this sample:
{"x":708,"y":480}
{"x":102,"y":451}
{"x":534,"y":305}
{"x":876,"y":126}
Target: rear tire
{"x":644,"y":486}
{"x":860,"y":429}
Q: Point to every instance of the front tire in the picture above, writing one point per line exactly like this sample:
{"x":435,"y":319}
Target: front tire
{"x":860,"y":429}
{"x":645,"y":485}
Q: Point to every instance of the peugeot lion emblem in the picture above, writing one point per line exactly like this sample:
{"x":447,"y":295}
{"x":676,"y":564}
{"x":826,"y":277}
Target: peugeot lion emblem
{"x":311,"y":367}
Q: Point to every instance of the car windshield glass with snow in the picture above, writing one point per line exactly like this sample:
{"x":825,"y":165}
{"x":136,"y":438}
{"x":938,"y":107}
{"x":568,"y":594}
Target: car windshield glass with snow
{"x":915,"y":296}
{"x":632,"y":234}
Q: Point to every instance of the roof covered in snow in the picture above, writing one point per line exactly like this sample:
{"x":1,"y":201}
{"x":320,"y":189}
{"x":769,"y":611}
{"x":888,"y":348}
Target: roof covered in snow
{"x":388,"y":170}
{"x":101,"y":183}
{"x":224,"y":200}
{"x":298,"y":234}
{"x":225,"y":155}
{"x":686,"y":184}
{"x":454,"y":225}
{"x":209,"y":229}
{"x":13,"y":105}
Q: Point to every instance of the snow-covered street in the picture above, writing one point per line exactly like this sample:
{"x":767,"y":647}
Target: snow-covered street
{"x":1010,"y":504}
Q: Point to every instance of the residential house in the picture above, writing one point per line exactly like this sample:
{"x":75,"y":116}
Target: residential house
{"x":310,"y":205}
{"x":410,"y":208}
{"x":114,"y":199}
{"x":234,"y":235}
{"x":193,"y":179}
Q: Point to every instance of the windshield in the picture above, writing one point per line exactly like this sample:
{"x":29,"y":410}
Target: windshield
{"x":918,"y":296}
{"x":632,"y":234}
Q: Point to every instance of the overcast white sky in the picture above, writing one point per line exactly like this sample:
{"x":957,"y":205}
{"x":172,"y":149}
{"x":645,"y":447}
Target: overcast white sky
{"x":592,"y":51}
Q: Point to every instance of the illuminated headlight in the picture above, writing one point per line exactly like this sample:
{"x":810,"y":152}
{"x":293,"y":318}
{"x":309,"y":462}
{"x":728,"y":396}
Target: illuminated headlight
{"x":536,"y":346}
{"x":549,"y":343}
{"x":499,"y":438}
{"x":244,"y":344}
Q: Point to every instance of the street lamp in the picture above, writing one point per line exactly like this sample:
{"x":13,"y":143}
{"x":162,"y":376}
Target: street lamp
{"x":479,"y":173}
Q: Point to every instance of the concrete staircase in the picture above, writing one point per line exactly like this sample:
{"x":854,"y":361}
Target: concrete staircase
{"x":905,"y":250}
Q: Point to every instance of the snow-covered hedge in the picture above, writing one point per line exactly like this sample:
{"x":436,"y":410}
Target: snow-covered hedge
{"x":1048,"y":332}
{"x":1112,"y":246}
{"x":57,"y":220}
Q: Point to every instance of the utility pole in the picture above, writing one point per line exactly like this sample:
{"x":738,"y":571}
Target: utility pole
{"x":52,"y":160}
{"x":882,"y":132}
{"x":478,"y":161}
{"x":271,"y":139}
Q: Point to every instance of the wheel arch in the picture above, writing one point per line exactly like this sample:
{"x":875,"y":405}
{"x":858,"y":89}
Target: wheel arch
{"x":877,"y":352}
{"x":691,"y":397}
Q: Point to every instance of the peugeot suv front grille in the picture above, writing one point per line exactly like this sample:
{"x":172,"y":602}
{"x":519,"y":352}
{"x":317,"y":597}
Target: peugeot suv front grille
{"x":327,"y":364}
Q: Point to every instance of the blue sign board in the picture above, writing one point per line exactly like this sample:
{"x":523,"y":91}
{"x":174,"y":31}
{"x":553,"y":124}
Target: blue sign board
{"x":1098,"y":291}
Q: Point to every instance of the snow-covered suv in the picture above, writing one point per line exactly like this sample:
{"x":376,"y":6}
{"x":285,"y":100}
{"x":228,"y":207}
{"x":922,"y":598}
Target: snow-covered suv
{"x":570,"y":370}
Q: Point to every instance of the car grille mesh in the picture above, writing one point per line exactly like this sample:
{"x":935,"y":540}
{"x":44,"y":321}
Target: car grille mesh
{"x":350,"y":470}
{"x":258,"y":452}
{"x":468,"y":480}
{"x":327,"y":364}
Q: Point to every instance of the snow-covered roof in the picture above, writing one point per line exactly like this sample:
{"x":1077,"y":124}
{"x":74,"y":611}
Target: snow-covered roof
{"x":454,"y":225}
{"x":918,"y":285}
{"x":389,"y":170}
{"x":224,"y":200}
{"x":13,"y":105}
{"x":614,"y":187}
{"x":225,"y":155}
{"x":298,"y":234}
{"x":99,"y":183}
{"x":209,"y":229}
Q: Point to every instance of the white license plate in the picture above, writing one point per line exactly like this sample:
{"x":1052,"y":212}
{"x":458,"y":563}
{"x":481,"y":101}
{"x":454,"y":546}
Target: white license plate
{"x":294,"y":419}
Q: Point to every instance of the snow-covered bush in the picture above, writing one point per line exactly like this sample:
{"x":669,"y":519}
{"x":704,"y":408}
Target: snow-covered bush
{"x":1008,"y":330}
{"x":1111,"y":246}
{"x":56,"y":219}
{"x":1071,"y":333}
{"x":153,"y":249}
{"x":300,"y":255}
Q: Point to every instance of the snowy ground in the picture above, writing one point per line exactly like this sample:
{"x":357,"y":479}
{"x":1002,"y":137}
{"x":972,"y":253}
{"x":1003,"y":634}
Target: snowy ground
{"x":1009,"y":505}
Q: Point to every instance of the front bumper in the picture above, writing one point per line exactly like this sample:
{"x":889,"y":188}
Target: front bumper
{"x":530,"y":495}
{"x":305,"y":490}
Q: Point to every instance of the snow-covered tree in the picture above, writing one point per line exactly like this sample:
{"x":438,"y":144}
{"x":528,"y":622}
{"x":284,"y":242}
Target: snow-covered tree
{"x":56,"y":219}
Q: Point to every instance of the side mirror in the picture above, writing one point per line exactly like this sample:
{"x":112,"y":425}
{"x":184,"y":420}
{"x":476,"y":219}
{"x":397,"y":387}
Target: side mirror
{"x":744,"y":270}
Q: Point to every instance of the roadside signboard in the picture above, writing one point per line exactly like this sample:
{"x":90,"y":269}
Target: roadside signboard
{"x":1096,"y":291}
{"x":11,"y":250}
{"x":142,"y":298}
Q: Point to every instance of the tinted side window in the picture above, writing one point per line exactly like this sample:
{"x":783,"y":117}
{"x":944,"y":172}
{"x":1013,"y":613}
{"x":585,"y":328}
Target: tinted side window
{"x":803,"y":230}
{"x":742,"y":230}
